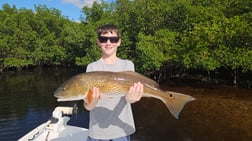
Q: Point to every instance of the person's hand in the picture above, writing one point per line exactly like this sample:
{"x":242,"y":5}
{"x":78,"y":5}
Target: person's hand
{"x":92,"y":98}
{"x":135,"y":93}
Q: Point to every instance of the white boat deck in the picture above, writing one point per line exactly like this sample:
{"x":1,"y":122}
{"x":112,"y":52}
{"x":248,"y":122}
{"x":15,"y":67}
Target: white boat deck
{"x":57,"y":129}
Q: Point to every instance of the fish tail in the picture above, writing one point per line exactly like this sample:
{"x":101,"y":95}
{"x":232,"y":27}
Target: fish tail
{"x":176,"y":101}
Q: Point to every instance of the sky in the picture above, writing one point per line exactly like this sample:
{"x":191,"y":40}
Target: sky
{"x":68,"y":8}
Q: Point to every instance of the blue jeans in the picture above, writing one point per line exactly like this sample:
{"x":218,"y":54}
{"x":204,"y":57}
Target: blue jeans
{"x":126,"y":138}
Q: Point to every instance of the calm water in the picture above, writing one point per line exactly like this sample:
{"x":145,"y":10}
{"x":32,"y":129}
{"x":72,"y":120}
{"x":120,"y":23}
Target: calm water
{"x":221,"y":113}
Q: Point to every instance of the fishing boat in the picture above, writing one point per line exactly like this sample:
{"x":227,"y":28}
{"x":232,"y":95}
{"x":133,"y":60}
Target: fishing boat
{"x":57,"y":129}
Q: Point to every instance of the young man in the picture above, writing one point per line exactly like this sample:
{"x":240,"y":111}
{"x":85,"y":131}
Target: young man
{"x":111,"y":118}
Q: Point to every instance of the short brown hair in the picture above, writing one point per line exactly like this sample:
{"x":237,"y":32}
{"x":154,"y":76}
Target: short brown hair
{"x":107,"y":28}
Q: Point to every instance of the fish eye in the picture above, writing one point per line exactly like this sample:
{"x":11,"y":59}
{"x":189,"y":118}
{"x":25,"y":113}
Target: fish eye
{"x":171,"y":95}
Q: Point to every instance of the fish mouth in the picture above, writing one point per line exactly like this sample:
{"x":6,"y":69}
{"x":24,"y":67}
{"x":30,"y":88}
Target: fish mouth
{"x":70,"y":99}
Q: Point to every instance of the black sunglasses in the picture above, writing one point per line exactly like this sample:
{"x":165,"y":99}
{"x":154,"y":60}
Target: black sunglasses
{"x":103,"y":39}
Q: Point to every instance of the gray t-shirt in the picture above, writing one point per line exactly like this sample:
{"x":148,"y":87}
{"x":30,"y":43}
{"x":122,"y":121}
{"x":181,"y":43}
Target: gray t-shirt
{"x":112,"y":117}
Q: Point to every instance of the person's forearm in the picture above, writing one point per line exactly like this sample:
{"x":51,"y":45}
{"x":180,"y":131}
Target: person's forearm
{"x":88,"y":107}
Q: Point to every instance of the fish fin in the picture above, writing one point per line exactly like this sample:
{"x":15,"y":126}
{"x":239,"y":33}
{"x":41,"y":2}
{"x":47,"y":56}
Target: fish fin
{"x":89,"y":96}
{"x":175,"y":102}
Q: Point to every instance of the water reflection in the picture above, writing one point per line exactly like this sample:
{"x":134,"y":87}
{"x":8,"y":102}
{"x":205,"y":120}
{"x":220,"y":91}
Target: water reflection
{"x":26,"y":100}
{"x":220,"y":112}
